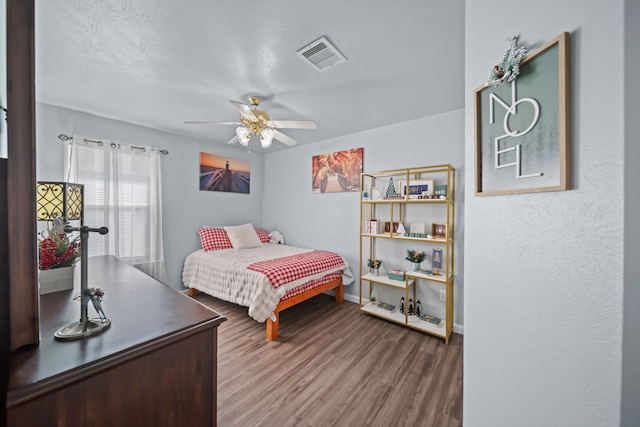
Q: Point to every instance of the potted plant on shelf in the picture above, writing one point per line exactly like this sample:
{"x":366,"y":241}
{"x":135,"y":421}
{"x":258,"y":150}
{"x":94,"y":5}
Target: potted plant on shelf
{"x":374,"y":265}
{"x":57,"y":256}
{"x":416,"y":257}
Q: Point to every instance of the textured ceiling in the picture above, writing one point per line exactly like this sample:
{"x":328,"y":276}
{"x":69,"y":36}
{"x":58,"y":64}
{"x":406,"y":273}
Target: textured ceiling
{"x":158,"y":63}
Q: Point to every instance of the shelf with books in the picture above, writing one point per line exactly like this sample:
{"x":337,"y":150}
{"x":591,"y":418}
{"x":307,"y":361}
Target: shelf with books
{"x":411,"y":320}
{"x":416,"y":323}
{"x":394,"y":315}
{"x":442,"y":278}
{"x":405,"y":238}
{"x":413,"y":209}
{"x":426,"y":201}
{"x":384,"y":279}
{"x":420,"y":239}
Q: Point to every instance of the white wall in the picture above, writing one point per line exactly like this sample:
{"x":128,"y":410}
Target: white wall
{"x":543,"y":272}
{"x":331,"y":220}
{"x":185,"y":207}
{"x":630,"y":409}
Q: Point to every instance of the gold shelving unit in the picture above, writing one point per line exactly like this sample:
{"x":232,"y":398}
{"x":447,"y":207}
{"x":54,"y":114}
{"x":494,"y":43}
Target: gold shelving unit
{"x":414,"y":188}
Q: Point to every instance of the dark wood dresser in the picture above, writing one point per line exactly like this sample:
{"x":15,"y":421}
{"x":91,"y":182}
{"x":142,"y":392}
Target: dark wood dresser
{"x":154,"y":366}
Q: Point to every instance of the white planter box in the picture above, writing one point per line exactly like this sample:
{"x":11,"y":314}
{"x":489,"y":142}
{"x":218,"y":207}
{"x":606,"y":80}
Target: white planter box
{"x":56,"y":279}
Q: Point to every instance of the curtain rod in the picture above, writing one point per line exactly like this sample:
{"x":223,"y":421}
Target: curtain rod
{"x":65,"y":137}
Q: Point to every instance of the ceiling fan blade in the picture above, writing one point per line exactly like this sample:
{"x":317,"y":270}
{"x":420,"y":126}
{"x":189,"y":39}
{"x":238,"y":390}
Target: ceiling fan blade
{"x":243,"y":109}
{"x":293,"y":124}
{"x":287,"y":140}
{"x":213,"y":123}
{"x":234,"y":140}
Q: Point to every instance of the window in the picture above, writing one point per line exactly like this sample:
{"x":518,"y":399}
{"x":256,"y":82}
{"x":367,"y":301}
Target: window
{"x":122,"y":192}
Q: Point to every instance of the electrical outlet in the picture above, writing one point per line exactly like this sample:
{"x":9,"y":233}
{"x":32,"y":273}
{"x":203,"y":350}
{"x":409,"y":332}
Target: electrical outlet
{"x":443,"y":295}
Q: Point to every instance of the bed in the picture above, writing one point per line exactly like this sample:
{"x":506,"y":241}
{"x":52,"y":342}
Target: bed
{"x":265,"y":277}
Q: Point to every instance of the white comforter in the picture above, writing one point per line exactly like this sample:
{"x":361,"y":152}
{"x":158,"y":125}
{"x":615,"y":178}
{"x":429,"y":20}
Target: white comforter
{"x":223,"y":274}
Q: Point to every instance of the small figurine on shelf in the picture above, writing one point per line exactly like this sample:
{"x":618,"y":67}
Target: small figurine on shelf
{"x":402,"y":305}
{"x":374,"y":265}
{"x":418,"y":308}
{"x":411,"y":310}
{"x":391,"y":189}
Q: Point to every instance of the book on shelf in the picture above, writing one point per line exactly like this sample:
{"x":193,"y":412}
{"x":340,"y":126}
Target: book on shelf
{"x":385,"y":306}
{"x":423,"y":271}
{"x":430,"y":319}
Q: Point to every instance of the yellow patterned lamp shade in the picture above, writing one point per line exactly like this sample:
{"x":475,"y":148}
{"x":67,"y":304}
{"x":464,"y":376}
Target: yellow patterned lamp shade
{"x":59,"y":200}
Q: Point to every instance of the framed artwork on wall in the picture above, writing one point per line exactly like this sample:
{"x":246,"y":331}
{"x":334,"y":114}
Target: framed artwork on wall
{"x":218,"y":173}
{"x":522,"y":128}
{"x":336,"y":172}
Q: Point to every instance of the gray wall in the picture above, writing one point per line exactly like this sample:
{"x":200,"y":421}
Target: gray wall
{"x":185,"y":207}
{"x":544,"y":272}
{"x":630,"y":414}
{"x":331,"y":220}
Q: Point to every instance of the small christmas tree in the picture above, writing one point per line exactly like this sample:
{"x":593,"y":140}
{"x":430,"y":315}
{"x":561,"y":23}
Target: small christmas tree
{"x":391,"y":189}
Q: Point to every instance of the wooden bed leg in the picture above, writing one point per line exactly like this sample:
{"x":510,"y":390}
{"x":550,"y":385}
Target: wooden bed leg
{"x":340,"y":294}
{"x":272,"y":328}
{"x":193,"y":292}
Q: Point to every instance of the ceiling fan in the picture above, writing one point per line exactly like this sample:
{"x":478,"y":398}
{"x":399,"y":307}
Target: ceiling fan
{"x":258,"y":122}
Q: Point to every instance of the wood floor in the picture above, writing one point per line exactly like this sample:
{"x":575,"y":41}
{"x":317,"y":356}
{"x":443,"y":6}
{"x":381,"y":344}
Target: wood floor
{"x":332,"y":366}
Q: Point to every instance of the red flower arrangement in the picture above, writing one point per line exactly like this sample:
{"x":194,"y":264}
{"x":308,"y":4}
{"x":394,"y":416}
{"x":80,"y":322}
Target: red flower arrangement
{"x":57,"y":250}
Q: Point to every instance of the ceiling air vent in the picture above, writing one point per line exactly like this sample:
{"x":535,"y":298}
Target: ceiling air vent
{"x":321,"y":55}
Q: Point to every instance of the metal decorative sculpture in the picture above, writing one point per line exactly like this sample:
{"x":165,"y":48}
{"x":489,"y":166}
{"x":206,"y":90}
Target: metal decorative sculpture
{"x":95,"y":296}
{"x":85,"y":327}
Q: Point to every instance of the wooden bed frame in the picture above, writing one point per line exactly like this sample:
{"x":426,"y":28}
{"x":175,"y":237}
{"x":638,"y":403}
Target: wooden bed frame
{"x":272,"y":325}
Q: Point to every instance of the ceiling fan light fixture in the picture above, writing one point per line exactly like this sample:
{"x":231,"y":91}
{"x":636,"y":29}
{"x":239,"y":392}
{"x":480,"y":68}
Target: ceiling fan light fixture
{"x":257,"y":122}
{"x":244,"y":135}
{"x":266,"y":136}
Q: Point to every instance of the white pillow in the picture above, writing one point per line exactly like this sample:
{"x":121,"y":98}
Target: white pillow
{"x":243,"y":236}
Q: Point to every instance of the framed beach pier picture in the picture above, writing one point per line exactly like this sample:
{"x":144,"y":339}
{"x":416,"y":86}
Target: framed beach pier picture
{"x":522,"y":124}
{"x":218,"y":173}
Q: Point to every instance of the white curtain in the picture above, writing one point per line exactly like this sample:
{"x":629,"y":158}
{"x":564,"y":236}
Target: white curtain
{"x":122,"y":190}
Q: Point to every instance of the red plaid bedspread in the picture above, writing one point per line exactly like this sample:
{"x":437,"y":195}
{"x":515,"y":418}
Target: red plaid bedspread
{"x":287,"y":269}
{"x":311,"y":284}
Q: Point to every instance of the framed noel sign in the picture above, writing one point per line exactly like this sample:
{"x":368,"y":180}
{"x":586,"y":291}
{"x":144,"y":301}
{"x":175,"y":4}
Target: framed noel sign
{"x":522,"y":122}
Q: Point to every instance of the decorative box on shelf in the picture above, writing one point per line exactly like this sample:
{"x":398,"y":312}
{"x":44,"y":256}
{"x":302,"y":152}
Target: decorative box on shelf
{"x":396,"y":274}
{"x":420,"y":235}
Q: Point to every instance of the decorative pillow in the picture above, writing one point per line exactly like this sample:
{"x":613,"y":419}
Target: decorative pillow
{"x":243,"y":236}
{"x":263,"y":235}
{"x":214,"y":238}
